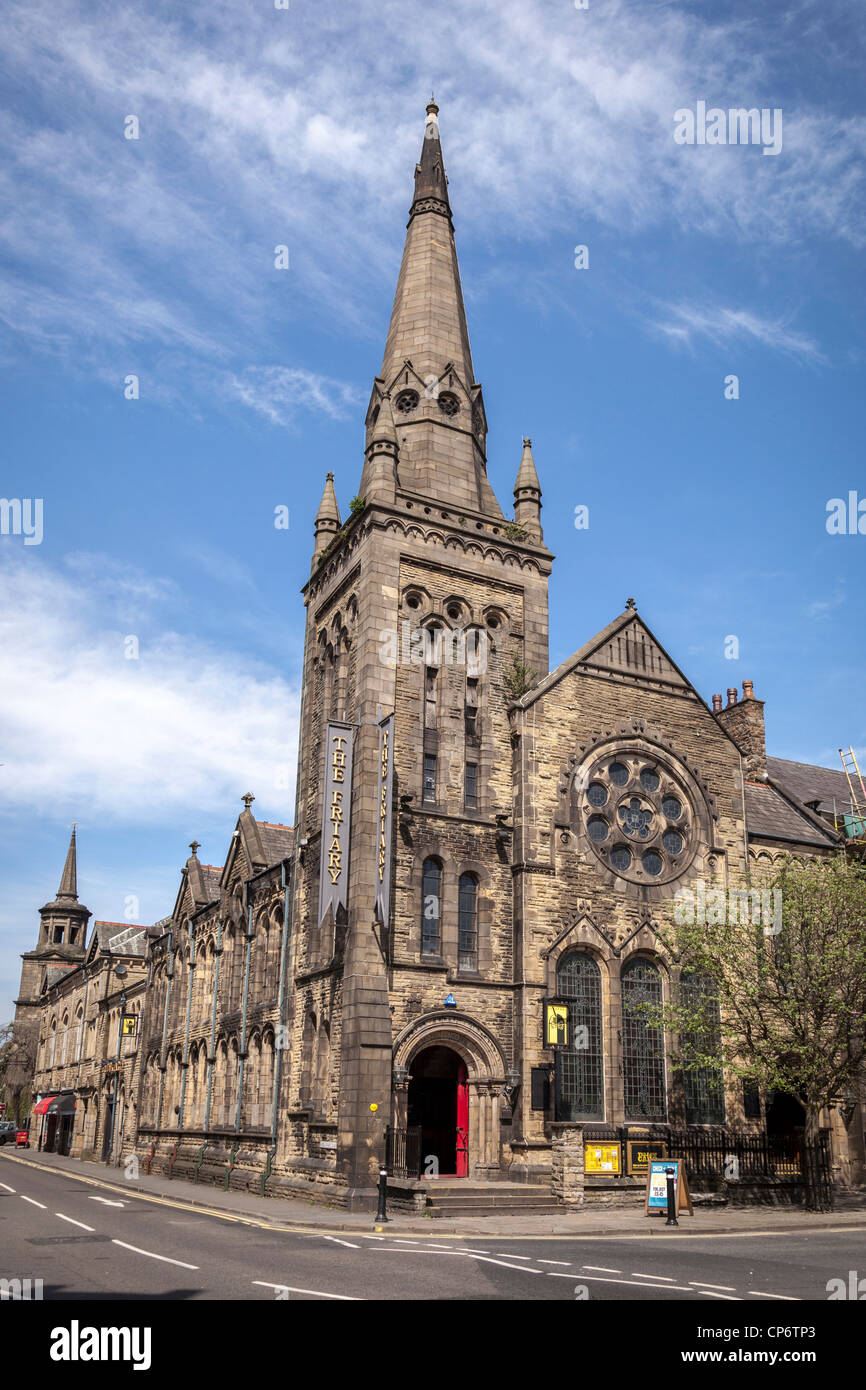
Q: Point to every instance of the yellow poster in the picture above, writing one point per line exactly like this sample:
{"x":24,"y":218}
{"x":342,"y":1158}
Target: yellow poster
{"x":556,"y":1025}
{"x":601,"y":1158}
{"x":129,"y":1025}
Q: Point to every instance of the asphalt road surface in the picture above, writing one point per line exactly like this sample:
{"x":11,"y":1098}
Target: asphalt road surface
{"x":88,"y":1243}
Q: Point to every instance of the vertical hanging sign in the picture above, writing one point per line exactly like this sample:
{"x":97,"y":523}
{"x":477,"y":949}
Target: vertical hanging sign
{"x":336,"y":818}
{"x":382,"y":906}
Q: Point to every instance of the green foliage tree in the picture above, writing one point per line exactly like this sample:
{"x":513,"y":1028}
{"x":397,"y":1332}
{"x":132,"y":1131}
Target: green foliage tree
{"x":790,"y":989}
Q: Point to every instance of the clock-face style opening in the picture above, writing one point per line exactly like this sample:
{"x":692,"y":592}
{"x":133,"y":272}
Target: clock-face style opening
{"x":638,"y":815}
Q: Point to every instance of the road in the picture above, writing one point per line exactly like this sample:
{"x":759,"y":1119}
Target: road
{"x":87,"y":1243}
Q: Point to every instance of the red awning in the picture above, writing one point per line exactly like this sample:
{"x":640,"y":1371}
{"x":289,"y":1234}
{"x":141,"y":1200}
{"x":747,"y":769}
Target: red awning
{"x":41,"y":1106}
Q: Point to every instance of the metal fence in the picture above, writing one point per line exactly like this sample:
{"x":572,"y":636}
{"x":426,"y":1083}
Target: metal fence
{"x":403,"y":1152}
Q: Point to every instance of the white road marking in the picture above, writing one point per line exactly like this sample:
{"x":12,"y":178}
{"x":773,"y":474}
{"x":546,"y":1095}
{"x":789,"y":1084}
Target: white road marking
{"x":711,"y":1293}
{"x":601,"y":1269}
{"x":509,"y":1256}
{"x":106,"y":1201}
{"x":702,"y":1284}
{"x":337,"y":1241}
{"x":152,"y":1256}
{"x":664,"y":1278}
{"x":789,"y":1298}
{"x":33,"y":1202}
{"x":594,"y":1279}
{"x":486,"y":1259}
{"x":317,"y":1293}
{"x":73,"y":1222}
{"x":7,"y":1187}
{"x":566,"y":1263}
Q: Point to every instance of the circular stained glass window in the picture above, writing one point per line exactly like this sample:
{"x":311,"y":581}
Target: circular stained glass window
{"x":598,"y":829}
{"x":672,"y":808}
{"x":618,"y":774}
{"x":448,"y":404}
{"x":406,"y":402}
{"x":620,"y":858}
{"x":672,"y":841}
{"x":652,"y":862}
{"x":649,"y":780}
{"x":596,"y":794}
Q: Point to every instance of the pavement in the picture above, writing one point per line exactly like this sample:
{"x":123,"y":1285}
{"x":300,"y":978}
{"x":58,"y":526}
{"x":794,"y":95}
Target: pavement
{"x":299,"y":1213}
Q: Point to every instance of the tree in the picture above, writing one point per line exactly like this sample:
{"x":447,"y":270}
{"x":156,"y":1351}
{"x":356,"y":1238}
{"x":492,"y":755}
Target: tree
{"x":789,"y":985}
{"x":18,"y":1048}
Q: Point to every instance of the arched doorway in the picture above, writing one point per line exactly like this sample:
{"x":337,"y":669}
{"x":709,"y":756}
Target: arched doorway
{"x":438,"y":1102}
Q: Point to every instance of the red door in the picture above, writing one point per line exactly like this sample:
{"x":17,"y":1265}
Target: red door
{"x":462,"y":1122}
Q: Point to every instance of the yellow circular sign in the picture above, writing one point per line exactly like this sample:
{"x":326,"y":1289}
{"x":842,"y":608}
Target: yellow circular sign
{"x":374,"y":1107}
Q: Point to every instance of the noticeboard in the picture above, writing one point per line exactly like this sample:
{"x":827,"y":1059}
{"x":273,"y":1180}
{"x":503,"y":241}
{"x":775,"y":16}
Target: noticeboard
{"x":657,"y":1186}
{"x":641,"y":1152}
{"x":555,"y":1023}
{"x":602,"y":1158}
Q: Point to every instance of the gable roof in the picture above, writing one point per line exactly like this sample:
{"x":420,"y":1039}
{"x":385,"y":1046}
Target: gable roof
{"x":772,"y":815}
{"x":811,"y":784}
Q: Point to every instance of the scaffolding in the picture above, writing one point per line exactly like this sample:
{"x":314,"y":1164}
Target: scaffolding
{"x":853,"y":824}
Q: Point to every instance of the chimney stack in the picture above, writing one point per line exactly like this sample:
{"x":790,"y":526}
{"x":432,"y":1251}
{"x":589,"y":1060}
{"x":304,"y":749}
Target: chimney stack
{"x":744,"y":721}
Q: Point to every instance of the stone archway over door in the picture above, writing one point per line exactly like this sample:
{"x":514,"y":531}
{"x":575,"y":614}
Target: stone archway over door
{"x":478,"y":1087}
{"x":438,"y":1105}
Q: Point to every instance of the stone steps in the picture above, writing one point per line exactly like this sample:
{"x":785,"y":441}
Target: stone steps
{"x":495,"y":1199}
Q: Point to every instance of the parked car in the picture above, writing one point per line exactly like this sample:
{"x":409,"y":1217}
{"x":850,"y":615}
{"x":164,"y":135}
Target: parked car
{"x":8,"y":1130}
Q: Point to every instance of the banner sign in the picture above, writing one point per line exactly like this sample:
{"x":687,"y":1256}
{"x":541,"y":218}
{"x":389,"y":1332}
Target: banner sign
{"x":336,"y":818}
{"x":555,"y":1023}
{"x":382,"y":907}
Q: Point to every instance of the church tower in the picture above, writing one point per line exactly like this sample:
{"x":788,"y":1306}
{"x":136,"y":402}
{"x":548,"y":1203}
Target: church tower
{"x":428,"y":604}
{"x":62,"y":933}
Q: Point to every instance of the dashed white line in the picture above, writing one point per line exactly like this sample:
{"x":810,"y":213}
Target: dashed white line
{"x":702,"y":1284}
{"x":602,"y":1270}
{"x":151,"y":1254}
{"x":348,"y":1243}
{"x":509,"y":1256}
{"x":596,"y":1279}
{"x":663,"y":1278}
{"x":7,"y":1187}
{"x":73,"y":1222}
{"x":711,"y":1293}
{"x":33,"y":1202}
{"x":566,"y":1263}
{"x":789,"y":1298}
{"x":317,"y":1293}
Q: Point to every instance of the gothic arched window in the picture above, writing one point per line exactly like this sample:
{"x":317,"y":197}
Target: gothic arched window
{"x":579,"y":1066}
{"x":643,"y":1053}
{"x":431,"y":889}
{"x":703,"y":1086}
{"x":467,"y":923}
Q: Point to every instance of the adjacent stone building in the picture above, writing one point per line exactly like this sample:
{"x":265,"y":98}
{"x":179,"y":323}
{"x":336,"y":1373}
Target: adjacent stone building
{"x":540,"y":821}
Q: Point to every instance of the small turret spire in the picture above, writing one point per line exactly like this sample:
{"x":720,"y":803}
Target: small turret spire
{"x":327,"y":517}
{"x":527,"y":494}
{"x":69,"y":881}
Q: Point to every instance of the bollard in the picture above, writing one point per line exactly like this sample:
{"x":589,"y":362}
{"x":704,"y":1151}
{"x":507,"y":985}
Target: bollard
{"x":381,"y":1214}
{"x":671,"y":1174}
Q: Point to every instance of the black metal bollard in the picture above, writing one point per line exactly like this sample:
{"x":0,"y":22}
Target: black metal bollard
{"x":381,"y":1214}
{"x":671,"y":1174}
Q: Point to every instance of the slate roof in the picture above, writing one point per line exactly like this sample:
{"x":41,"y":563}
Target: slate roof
{"x":278,"y":841}
{"x":771,"y":815}
{"x":810,"y":784}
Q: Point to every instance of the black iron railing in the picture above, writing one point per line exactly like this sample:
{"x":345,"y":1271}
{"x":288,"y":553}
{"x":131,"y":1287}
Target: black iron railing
{"x":403,"y":1152}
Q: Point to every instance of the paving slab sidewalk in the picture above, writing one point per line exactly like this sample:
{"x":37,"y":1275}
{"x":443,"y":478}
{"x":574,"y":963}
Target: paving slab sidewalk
{"x":300,"y":1213}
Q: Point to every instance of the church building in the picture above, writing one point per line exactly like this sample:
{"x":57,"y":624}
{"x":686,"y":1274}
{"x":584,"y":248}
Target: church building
{"x":474,"y":835}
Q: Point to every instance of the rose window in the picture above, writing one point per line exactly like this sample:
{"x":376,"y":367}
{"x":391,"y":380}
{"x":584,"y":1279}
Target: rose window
{"x":406,"y":402}
{"x":637,"y":816}
{"x":448,"y":404}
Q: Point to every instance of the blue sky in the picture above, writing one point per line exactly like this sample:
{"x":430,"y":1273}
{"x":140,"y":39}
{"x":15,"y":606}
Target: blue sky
{"x":261,"y":127}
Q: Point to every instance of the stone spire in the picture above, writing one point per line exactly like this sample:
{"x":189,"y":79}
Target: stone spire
{"x":69,"y":880}
{"x":378,"y":480}
{"x":527,"y":495}
{"x":427,"y":368}
{"x":327,"y":517}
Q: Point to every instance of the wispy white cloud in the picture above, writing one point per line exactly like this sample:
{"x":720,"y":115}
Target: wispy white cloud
{"x":687,"y":323}
{"x":279,"y":393}
{"x":186,"y":727}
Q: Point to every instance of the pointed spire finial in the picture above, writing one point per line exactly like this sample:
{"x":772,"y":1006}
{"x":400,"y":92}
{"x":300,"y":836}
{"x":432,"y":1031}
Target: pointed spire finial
{"x":195,"y":846}
{"x":328,"y":511}
{"x":630,"y":605}
{"x":248,"y":800}
{"x":69,"y":881}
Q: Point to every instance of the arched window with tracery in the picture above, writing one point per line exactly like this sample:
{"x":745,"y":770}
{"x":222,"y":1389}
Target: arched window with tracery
{"x":431,"y":908}
{"x":643,"y":1052}
{"x":580,"y":1065}
{"x":703,"y":1086}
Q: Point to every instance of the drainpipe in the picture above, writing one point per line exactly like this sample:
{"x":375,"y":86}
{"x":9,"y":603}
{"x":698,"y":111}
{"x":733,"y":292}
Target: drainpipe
{"x":213,"y":1020}
{"x":164,"y":1048}
{"x":243,"y":1047}
{"x":186,"y":1032}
